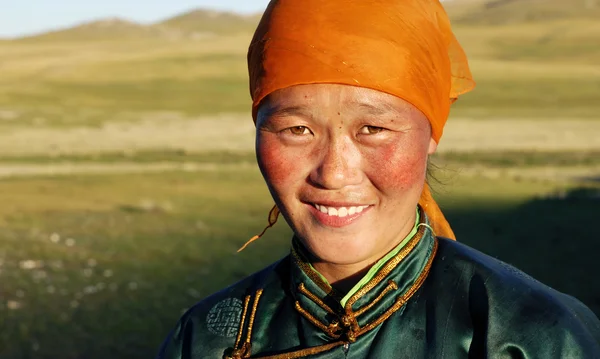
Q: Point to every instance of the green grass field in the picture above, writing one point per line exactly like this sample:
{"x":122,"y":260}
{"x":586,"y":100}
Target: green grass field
{"x":102,"y":266}
{"x":128,"y":182}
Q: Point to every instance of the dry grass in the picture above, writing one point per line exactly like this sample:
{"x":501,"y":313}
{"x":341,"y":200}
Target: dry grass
{"x":104,"y":60}
{"x":152,"y":131}
{"x":538,"y":69}
{"x":91,"y":168}
{"x":235,"y":133}
{"x":520,"y":134}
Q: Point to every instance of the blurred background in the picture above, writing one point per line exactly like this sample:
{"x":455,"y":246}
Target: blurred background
{"x":128,"y":179}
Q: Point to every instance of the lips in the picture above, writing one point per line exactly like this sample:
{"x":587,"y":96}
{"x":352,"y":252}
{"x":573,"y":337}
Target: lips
{"x":337,"y":215}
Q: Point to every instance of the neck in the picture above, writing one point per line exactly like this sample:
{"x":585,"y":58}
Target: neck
{"x":342,"y":277}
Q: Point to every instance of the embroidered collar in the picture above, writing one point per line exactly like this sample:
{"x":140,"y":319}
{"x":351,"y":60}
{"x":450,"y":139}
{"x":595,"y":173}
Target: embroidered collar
{"x":384,"y":294}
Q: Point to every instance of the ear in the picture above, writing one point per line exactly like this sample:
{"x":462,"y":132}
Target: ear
{"x":432,"y":146}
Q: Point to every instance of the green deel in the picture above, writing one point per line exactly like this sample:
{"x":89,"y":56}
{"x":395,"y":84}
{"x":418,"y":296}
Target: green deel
{"x":436,"y":298}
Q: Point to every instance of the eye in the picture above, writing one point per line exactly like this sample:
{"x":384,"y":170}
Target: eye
{"x":298,"y":130}
{"x":370,"y":130}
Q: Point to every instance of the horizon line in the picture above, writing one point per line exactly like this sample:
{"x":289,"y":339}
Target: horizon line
{"x":91,"y":20}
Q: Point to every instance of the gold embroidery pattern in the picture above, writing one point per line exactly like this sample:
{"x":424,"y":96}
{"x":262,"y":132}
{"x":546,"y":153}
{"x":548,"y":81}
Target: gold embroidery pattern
{"x":241,"y":328}
{"x":314,"y":298}
{"x":391,"y":286}
{"x":245,"y":350}
{"x":393,"y":263}
{"x":349,"y":325}
{"x":333,"y":329}
{"x":404,"y":298}
{"x":305,"y":352}
{"x":253,"y":314}
{"x":311,"y":274}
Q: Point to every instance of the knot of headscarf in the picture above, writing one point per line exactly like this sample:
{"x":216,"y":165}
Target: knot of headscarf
{"x":405,"y":48}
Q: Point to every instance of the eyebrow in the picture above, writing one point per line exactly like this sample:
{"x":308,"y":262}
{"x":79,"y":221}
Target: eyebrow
{"x":377,"y":110}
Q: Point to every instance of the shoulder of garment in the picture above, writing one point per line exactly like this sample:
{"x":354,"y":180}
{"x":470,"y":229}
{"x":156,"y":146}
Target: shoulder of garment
{"x":511,"y":314}
{"x":218,"y":315}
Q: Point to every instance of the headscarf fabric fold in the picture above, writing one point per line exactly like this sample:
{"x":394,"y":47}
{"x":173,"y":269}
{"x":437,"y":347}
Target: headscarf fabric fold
{"x":405,"y":48}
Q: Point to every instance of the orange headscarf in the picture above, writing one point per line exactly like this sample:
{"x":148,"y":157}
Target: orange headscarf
{"x":402,"y":47}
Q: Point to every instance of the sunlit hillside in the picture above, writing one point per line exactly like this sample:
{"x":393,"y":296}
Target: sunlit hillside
{"x":203,"y":21}
{"x":100,"y":30}
{"x":519,"y":11}
{"x":540,"y":31}
{"x":194,"y":64}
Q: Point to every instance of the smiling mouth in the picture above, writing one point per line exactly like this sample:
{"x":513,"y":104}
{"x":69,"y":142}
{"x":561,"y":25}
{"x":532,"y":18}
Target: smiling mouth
{"x":340,"y":211}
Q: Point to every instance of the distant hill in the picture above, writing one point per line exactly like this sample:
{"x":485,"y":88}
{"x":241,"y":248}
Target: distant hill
{"x":193,"y":24}
{"x":203,"y":21}
{"x":99,"y":30}
{"x":524,"y":65}
{"x":497,"y":12}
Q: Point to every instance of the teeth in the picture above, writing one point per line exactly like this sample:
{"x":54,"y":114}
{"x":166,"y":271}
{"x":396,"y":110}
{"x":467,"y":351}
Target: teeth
{"x":341,"y":211}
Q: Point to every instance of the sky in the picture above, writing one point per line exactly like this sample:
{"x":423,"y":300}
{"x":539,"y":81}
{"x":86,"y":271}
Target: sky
{"x":26,"y":17}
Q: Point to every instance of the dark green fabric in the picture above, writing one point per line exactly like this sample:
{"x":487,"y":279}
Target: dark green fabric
{"x":469,"y":306}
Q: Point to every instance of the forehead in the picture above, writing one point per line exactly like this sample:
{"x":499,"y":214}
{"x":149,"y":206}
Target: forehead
{"x":335,"y":93}
{"x":337,"y":97}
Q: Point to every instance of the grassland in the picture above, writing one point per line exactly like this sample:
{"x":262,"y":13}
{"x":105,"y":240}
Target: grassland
{"x":128,"y":179}
{"x":527,"y":69}
{"x":101,"y":266}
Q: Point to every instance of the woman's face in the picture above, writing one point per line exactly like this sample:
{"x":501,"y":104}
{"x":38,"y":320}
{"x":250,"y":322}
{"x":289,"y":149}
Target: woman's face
{"x":346,"y":166}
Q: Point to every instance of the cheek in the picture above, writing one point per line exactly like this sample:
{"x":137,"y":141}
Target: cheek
{"x":398,"y":167}
{"x":278,"y":165}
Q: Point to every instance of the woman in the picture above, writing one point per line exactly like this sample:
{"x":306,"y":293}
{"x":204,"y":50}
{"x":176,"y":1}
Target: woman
{"x":349,"y":99}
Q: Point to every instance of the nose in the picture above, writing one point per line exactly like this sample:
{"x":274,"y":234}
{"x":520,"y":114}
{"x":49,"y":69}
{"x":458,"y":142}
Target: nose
{"x":338,"y":165}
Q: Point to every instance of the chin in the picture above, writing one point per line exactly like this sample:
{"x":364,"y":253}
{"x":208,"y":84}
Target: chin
{"x":338,"y":248}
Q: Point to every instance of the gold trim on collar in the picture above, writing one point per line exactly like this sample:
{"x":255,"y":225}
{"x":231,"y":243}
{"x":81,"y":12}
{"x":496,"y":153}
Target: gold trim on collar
{"x":351,"y":334}
{"x":333,"y":329}
{"x":302,"y":289}
{"x":305,"y":267}
{"x":387,"y":268}
{"x":391,"y":286}
{"x":303,"y":263}
{"x":401,"y":301}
